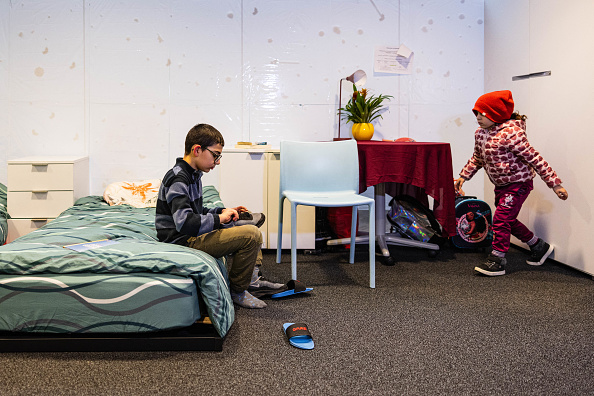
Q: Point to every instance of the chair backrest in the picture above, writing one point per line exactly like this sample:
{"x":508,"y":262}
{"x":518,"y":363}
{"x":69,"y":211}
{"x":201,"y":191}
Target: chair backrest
{"x":319,"y":166}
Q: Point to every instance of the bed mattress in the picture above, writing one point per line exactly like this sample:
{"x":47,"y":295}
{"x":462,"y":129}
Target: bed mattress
{"x":97,"y":303}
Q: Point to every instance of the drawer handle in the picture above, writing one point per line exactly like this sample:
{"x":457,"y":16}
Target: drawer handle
{"x":39,"y":164}
{"x":39,"y":220}
{"x":40,"y":191}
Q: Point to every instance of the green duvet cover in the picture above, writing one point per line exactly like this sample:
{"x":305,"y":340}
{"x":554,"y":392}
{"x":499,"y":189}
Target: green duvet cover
{"x":69,"y":261}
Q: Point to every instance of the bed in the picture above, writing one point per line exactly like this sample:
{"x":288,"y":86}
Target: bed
{"x":96,"y":278}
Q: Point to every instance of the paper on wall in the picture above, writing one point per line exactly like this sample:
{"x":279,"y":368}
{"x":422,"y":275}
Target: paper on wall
{"x":394,"y":60}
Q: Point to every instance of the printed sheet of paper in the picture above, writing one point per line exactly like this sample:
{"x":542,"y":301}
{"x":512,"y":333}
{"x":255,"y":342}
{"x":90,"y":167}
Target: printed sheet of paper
{"x":394,"y":60}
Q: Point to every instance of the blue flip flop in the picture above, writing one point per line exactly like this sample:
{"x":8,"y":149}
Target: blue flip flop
{"x":294,"y":287}
{"x":299,"y":335}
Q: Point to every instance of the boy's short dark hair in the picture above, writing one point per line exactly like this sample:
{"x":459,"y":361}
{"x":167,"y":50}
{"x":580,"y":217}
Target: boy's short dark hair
{"x":204,"y":135}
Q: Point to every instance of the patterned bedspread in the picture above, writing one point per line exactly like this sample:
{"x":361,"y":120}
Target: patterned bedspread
{"x":128,"y":246}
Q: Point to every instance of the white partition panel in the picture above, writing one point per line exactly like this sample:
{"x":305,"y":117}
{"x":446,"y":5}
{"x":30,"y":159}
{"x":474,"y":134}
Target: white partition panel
{"x":547,"y":35}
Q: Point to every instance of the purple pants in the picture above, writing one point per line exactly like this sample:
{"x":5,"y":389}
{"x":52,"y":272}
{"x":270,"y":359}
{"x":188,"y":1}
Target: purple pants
{"x":509,"y":200}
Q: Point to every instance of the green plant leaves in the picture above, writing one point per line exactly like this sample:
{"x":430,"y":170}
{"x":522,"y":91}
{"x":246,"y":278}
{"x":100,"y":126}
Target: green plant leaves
{"x":363,"y":110}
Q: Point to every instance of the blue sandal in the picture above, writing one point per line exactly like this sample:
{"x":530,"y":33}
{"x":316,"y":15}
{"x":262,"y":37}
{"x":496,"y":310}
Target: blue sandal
{"x":299,"y":335}
{"x":293,"y":287}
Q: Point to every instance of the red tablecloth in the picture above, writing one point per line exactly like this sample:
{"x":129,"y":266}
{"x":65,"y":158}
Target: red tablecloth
{"x":422,"y":164}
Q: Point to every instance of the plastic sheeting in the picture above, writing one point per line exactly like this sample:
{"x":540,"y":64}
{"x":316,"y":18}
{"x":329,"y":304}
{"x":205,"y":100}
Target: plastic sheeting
{"x":123,"y":82}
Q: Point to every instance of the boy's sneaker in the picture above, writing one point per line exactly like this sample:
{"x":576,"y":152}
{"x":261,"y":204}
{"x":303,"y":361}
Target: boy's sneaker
{"x":256,"y":219}
{"x":493,"y":266}
{"x":540,"y":251}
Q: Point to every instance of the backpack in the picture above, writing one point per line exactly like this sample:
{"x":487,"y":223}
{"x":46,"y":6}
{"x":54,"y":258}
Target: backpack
{"x":474,"y":227}
{"x":414,"y":220}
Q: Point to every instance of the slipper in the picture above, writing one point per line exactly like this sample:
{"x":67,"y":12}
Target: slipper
{"x":266,"y":292}
{"x":299,"y":335}
{"x":294,"y":287}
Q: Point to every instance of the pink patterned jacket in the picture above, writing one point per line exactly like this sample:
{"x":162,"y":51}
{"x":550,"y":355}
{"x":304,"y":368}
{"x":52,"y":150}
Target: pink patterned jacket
{"x":507,"y":156}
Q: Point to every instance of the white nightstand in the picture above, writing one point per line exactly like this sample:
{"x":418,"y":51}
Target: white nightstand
{"x":40,"y":188}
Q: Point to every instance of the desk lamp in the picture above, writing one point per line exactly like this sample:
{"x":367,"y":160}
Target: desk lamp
{"x":358,"y":78}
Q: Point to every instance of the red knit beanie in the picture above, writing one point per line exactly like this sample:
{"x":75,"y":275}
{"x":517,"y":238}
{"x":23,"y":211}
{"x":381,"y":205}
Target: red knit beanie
{"x":497,"y":106}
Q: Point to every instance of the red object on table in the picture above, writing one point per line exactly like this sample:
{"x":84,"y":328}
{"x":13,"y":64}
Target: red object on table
{"x":425,"y":165}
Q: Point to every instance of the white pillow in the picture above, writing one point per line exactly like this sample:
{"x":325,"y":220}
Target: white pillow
{"x":140,"y":194}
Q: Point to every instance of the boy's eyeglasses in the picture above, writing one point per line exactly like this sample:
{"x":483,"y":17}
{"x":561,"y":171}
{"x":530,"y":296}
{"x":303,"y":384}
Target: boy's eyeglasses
{"x":216,"y":156}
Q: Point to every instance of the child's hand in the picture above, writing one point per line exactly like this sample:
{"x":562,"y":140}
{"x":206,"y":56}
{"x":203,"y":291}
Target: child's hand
{"x":240,"y":209}
{"x":561,"y":192}
{"x":458,"y":185}
{"x":227,"y":215}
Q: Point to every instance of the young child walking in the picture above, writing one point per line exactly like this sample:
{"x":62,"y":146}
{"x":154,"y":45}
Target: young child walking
{"x":502,"y":149}
{"x":181,"y":218}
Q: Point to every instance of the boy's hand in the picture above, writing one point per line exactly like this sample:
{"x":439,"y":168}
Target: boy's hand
{"x":227,"y":215}
{"x":240,"y":209}
{"x":561,"y":192}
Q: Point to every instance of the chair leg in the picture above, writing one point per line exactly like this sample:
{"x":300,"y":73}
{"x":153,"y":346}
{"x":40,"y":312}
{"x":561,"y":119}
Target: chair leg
{"x":353,"y":234}
{"x":372,"y":245}
{"x":294,"y":241}
{"x":279,"y":230}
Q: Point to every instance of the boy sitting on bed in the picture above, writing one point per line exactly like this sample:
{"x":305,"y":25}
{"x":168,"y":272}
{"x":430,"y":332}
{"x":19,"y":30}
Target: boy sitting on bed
{"x":181,"y":219}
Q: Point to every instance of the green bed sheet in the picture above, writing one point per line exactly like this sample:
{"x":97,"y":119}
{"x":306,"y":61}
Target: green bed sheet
{"x":128,"y":245}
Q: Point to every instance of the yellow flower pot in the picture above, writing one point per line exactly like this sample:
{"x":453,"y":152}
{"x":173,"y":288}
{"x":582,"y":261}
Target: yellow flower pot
{"x":362,"y":131}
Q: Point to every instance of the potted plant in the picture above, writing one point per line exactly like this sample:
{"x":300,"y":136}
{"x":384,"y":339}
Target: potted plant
{"x":361,"y":111}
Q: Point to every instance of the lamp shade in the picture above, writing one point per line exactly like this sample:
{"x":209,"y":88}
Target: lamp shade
{"x":358,"y":78}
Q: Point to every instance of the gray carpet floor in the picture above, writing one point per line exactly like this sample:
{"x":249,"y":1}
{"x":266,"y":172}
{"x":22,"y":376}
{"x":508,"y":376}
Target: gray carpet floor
{"x":430,"y":327}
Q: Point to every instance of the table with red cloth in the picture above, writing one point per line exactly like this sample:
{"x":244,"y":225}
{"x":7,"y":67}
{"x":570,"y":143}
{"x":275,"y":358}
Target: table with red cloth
{"x":398,"y":165}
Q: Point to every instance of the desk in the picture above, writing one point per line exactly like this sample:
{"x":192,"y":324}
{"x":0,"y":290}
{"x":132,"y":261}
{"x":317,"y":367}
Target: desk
{"x":388,"y":166}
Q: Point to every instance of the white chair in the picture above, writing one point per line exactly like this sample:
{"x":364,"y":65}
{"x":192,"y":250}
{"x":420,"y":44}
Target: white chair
{"x":322,"y":174}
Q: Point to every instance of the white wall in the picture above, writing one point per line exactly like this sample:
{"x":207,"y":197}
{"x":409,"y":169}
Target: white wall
{"x":528,"y":36}
{"x":123,"y":81}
